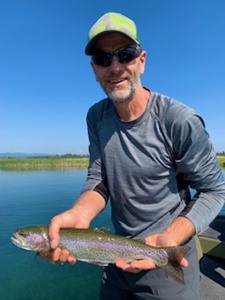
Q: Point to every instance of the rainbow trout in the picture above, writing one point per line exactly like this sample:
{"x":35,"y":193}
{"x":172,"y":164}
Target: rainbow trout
{"x":101,"y":247}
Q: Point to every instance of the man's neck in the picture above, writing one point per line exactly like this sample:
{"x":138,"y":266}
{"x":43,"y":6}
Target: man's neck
{"x":132,"y":109}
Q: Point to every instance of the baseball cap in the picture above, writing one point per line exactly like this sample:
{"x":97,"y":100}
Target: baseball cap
{"x":110,"y":22}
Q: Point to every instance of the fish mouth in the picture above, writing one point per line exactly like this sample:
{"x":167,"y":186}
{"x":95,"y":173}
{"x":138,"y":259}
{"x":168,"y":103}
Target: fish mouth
{"x":20,"y":241}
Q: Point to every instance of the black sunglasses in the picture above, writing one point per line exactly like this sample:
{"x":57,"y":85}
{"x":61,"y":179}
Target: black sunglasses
{"x":125,"y":55}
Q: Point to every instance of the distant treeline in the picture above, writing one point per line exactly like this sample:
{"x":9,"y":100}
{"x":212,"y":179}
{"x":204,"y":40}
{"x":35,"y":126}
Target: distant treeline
{"x":220,"y":153}
{"x":67,"y":155}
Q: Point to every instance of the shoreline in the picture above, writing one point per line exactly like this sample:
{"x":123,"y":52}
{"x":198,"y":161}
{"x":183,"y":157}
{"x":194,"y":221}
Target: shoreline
{"x":43,"y":163}
{"x":55,"y":163}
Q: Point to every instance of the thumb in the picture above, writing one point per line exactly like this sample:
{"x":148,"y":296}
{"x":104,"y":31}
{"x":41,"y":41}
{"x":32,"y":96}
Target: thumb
{"x":53,"y":233}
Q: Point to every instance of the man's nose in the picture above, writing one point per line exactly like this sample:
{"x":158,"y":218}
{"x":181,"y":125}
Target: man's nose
{"x":115,"y":64}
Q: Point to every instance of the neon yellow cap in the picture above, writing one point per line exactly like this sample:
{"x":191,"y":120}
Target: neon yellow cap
{"x":111,"y":22}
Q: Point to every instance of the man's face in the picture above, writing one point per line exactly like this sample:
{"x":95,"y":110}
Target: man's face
{"x":118,"y":80}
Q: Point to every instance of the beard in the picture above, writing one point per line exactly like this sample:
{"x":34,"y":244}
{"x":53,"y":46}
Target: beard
{"x":120,"y":95}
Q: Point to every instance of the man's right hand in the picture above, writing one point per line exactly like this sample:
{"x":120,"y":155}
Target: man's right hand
{"x":67,"y":219}
{"x":87,"y":207}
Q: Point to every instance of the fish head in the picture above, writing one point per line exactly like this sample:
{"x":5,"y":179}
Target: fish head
{"x":33,"y":238}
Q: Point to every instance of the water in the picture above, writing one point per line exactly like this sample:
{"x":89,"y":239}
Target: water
{"x":34,"y":197}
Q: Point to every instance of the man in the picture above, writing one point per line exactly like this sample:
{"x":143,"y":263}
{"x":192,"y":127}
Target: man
{"x":146,"y":149}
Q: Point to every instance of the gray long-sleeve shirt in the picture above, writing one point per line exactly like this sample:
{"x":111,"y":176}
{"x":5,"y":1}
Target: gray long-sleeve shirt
{"x":148,"y":165}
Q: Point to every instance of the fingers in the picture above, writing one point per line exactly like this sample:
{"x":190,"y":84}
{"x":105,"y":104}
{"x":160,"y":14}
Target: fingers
{"x":58,"y":254}
{"x":122,"y":264}
{"x":135,"y":266}
{"x":184,"y":263}
{"x":143,"y":264}
{"x":125,"y":266}
{"x":63,"y":255}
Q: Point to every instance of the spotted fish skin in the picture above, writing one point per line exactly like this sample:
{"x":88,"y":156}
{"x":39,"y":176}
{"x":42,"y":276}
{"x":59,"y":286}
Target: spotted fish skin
{"x":98,"y":246}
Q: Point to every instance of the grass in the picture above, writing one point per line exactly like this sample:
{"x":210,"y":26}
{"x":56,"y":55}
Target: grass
{"x":55,"y":162}
{"x":39,"y":163}
{"x":221,"y":159}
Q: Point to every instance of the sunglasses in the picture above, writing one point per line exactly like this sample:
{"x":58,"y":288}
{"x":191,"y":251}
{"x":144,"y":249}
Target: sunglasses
{"x":125,"y":55}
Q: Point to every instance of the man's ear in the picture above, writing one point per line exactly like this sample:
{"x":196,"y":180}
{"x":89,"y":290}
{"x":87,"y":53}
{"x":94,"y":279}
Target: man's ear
{"x":142,"y":58}
{"x":93,"y":68}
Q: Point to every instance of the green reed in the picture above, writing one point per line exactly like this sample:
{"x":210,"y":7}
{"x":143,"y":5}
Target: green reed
{"x":35,"y":163}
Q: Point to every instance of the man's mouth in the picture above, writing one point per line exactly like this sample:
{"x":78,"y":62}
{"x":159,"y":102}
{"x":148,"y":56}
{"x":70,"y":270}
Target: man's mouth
{"x":116,"y":81}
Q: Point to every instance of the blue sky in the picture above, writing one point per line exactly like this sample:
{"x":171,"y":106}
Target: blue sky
{"x":47,"y":85}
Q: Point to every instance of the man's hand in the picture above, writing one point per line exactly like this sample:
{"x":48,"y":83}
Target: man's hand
{"x":67,"y":219}
{"x":87,"y":206}
{"x":163,"y":239}
{"x":140,"y":265}
{"x":136,"y":265}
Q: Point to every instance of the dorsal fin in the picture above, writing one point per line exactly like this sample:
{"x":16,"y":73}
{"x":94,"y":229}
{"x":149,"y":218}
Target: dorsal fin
{"x":102,"y":229}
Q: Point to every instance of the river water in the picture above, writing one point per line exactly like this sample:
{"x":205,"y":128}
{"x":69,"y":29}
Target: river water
{"x":34,"y":197}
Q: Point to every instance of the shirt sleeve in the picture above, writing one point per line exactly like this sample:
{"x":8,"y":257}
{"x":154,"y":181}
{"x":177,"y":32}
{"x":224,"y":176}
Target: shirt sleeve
{"x":96,"y":177}
{"x":197,"y":161}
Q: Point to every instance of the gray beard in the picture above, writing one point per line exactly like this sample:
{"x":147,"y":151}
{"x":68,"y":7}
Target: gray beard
{"x":118,"y":96}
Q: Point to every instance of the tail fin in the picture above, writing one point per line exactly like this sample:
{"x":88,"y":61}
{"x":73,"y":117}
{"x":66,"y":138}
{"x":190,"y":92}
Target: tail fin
{"x":173,"y":268}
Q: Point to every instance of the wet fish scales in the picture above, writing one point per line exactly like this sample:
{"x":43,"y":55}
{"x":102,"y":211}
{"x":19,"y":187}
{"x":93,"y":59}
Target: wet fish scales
{"x":102,"y":247}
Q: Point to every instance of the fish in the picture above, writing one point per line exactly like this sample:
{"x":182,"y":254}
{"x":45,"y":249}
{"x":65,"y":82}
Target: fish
{"x":101,"y":247}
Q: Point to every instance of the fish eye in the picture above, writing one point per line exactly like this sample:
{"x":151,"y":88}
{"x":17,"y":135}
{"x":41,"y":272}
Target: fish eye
{"x":23,"y":234}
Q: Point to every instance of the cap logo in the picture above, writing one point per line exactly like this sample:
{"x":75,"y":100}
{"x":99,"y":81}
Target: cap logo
{"x":120,"y":22}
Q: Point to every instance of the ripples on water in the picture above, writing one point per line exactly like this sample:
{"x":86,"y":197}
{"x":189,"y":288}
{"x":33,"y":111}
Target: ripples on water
{"x":34,"y":197}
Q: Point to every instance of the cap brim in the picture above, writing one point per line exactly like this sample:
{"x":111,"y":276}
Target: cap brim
{"x":89,"y":50}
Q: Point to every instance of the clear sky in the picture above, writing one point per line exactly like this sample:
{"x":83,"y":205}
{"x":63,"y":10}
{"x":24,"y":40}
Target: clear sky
{"x":47,"y":85}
